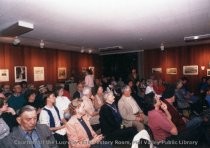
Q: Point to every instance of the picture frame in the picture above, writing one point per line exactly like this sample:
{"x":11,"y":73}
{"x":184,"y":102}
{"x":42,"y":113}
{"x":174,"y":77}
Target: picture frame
{"x":20,"y":73}
{"x":84,"y":69}
{"x":38,"y":73}
{"x":157,"y":70}
{"x":4,"y":75}
{"x":62,"y":74}
{"x":208,"y":72}
{"x":171,"y":71}
{"x":190,"y":70}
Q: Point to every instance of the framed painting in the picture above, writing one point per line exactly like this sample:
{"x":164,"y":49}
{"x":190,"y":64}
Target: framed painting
{"x":190,"y":70}
{"x":156,"y":70}
{"x":38,"y":73}
{"x":208,"y":72}
{"x":62,"y":73}
{"x":20,"y":73}
{"x":4,"y":75}
{"x":171,"y":71}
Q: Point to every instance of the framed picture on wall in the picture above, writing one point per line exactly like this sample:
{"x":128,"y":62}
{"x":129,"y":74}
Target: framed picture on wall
{"x":171,"y":71}
{"x":38,"y":73}
{"x":62,"y":73}
{"x":84,"y":69}
{"x":4,"y":75}
{"x":208,"y":72}
{"x":20,"y":73}
{"x":156,"y":70}
{"x":190,"y":70}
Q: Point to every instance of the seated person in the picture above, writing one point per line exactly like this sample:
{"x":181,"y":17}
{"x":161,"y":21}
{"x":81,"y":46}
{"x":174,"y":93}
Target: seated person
{"x":159,"y":118}
{"x":130,"y":112}
{"x":91,"y":112}
{"x":50,"y":116}
{"x":111,"y":121}
{"x":188,"y":129}
{"x":29,"y":134}
{"x":79,"y":131}
{"x":78,"y":92}
{"x":208,"y":96}
{"x":99,"y":100}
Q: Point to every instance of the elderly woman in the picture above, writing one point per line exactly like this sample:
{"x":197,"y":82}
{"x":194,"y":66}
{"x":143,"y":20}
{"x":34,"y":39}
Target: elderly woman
{"x":79,"y":131}
{"x":91,"y":112}
{"x":99,"y":100}
{"x":111,"y":121}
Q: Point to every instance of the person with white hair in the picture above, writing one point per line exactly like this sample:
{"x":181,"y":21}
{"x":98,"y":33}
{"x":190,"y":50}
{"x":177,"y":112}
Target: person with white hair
{"x":131,"y":113}
{"x":88,"y":106}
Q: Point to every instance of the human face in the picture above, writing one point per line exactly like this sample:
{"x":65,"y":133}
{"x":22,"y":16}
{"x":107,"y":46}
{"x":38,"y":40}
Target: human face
{"x":158,"y":101}
{"x":6,"y":88}
{"x":60,"y":92}
{"x":52,"y":98}
{"x":32,"y":97}
{"x":4,"y":108}
{"x":110,"y":99}
{"x":80,"y":87}
{"x":127,"y":92}
{"x":17,"y":89}
{"x":100,"y":90}
{"x":27,"y":120}
{"x":80,"y":110}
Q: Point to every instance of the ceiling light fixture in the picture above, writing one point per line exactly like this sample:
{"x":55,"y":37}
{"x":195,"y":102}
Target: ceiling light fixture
{"x":16,"y":41}
{"x":41,"y":44}
{"x":162,"y":47}
{"x":90,"y":51}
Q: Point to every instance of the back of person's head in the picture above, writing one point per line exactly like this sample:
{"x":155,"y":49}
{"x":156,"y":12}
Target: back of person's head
{"x":2,"y":100}
{"x":86,"y":90}
{"x":73,"y":105}
{"x":57,"y":89}
{"x":149,"y":102}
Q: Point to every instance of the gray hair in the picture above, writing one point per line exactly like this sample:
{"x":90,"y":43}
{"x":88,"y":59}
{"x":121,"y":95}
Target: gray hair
{"x":86,"y":90}
{"x":125,"y":88}
{"x":107,"y":94}
{"x":25,"y":109}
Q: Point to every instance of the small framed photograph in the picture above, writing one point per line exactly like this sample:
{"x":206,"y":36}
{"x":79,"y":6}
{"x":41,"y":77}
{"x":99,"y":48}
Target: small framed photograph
{"x":208,"y":72}
{"x":4,"y":75}
{"x":38,"y":73}
{"x":190,"y":70}
{"x":171,"y":71}
{"x":20,"y":73}
{"x":62,"y":73}
{"x":156,"y":70}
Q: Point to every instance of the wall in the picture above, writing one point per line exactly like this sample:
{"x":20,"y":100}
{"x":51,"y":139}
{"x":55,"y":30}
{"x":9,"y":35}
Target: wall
{"x":178,"y":57}
{"x":50,"y":59}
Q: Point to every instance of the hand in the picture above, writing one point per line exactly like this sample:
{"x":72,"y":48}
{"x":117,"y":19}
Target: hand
{"x":163,"y":106}
{"x":96,"y":139}
{"x":11,"y":110}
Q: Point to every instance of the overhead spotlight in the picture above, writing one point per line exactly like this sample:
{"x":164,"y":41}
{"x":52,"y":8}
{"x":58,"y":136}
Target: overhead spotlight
{"x":162,"y":47}
{"x":90,"y":51}
{"x":82,"y":50}
{"x":16,"y":41}
{"x":41,"y":44}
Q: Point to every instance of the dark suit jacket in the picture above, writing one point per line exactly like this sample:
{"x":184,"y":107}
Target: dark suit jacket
{"x":16,"y":139}
{"x":107,"y":121}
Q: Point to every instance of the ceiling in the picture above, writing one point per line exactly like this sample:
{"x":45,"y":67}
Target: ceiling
{"x":94,"y":24}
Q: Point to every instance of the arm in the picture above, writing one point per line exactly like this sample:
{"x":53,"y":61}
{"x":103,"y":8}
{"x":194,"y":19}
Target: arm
{"x":124,"y":113}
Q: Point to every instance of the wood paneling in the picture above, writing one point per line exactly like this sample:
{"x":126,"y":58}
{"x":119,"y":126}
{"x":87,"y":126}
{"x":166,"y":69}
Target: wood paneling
{"x":178,"y":57}
{"x":50,"y":59}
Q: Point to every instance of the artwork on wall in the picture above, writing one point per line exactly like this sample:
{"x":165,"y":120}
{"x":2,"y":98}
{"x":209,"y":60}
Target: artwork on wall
{"x":190,"y":70}
{"x":156,"y":70}
{"x":171,"y":71}
{"x":20,"y":73}
{"x":62,"y":73}
{"x":84,"y":69}
{"x":4,"y":75}
{"x":38,"y":73}
{"x":208,"y":72}
{"x":92,"y":69}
